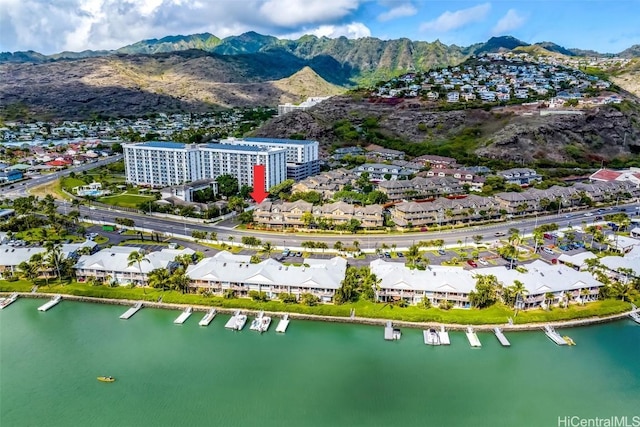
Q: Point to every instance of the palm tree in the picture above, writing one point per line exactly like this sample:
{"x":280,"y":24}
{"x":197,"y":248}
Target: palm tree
{"x":584,"y":293}
{"x":549,"y":297}
{"x":413,"y":254}
{"x":159,"y":278}
{"x":137,"y":257}
{"x":338,"y":246}
{"x":267,"y":247}
{"x":518,"y":290}
{"x":54,"y":257}
{"x":29,"y":270}
{"x":180,"y":280}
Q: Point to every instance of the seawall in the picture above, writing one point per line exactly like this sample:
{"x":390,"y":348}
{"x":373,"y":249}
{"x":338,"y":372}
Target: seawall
{"x":356,"y":319}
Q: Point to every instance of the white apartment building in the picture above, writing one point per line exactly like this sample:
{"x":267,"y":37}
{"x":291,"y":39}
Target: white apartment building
{"x":163,"y":164}
{"x":302,"y":155}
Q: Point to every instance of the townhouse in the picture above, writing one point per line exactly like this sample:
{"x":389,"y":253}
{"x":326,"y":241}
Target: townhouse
{"x":225,"y":271}
{"x":420,"y":187}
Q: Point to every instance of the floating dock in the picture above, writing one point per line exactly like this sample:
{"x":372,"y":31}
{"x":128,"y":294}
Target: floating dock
{"x":183,"y":316}
{"x":283,"y":324}
{"x":431,"y":337}
{"x":133,"y":310}
{"x":55,"y":300}
{"x":390,"y":333}
{"x":554,"y":336}
{"x":634,"y":314}
{"x":206,"y":320}
{"x":503,"y":340}
{"x":444,"y":336}
{"x":237,"y":321}
{"x":472,"y":337}
{"x":6,"y":302}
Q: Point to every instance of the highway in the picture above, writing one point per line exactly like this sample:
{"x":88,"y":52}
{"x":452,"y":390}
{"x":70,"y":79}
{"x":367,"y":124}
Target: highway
{"x":289,"y":239}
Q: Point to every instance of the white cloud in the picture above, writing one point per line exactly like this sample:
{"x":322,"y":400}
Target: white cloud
{"x":50,"y":26}
{"x":399,"y":11}
{"x":453,"y":20}
{"x":354,"y":30}
{"x":510,"y":21}
{"x":299,"y":12}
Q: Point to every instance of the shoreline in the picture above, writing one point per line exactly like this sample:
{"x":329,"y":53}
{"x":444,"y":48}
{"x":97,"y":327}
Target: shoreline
{"x":334,"y":319}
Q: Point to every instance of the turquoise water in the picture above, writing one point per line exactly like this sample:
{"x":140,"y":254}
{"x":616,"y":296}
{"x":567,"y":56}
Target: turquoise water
{"x":317,"y":374}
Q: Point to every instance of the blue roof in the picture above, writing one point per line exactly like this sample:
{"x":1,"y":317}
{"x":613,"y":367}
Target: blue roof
{"x":235,"y":147}
{"x":282,"y":141}
{"x":164,"y":144}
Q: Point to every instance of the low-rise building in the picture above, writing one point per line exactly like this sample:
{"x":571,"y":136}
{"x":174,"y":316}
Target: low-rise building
{"x":383,"y":172}
{"x":226,"y":271}
{"x":520,"y":176}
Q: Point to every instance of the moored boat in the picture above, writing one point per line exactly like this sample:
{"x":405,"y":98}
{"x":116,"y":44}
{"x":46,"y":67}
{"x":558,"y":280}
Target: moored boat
{"x":108,"y":379}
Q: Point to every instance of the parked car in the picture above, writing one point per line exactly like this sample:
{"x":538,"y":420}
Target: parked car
{"x":472,"y":263}
{"x":400,"y":255}
{"x":483,"y":261}
{"x":299,"y":254}
{"x":387,"y":255}
{"x":548,"y":251}
{"x":442,"y":252}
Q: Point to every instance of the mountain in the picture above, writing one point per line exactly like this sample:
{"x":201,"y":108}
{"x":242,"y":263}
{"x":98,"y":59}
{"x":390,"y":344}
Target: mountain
{"x":497,"y":44}
{"x":552,"y":47}
{"x":632,"y":52}
{"x":204,"y":41}
{"x":601,"y":133}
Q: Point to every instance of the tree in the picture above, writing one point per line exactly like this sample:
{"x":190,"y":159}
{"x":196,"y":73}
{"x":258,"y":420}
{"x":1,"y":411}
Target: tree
{"x":412,"y":255}
{"x":54,"y":257}
{"x":549,"y":297}
{"x":227,"y":185}
{"x":237,"y":204}
{"x":138,"y":257}
{"x":251,"y":241}
{"x":485,"y":294}
{"x":267,"y":248}
{"x":159,"y":278}
{"x":477,"y":239}
{"x":338,"y":246}
{"x":180,"y":280}
{"x":309,"y":299}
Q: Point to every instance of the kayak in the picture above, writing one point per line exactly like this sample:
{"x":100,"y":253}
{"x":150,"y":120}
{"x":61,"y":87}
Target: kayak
{"x":106,"y":379}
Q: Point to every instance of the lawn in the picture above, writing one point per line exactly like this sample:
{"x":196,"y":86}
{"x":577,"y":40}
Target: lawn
{"x":54,"y":188}
{"x":125,"y":200}
{"x":38,"y":234}
{"x":497,"y":314}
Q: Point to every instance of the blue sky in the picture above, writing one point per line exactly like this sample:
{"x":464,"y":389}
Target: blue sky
{"x":50,"y":26}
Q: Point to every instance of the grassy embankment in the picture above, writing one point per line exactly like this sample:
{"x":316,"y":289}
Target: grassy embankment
{"x":497,"y":314}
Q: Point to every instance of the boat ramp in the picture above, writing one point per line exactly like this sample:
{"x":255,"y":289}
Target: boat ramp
{"x":183,"y":316}
{"x":206,"y":320}
{"x":133,"y":310}
{"x":553,"y":335}
{"x":6,"y":302}
{"x":444,"y":336}
{"x":391,"y":333}
{"x":283,"y":324}
{"x":237,"y":321}
{"x":503,"y":340}
{"x":55,"y":300}
{"x":260,"y":323}
{"x":472,"y":337}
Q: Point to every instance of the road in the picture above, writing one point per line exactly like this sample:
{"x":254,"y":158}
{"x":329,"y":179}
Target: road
{"x":294,"y":240}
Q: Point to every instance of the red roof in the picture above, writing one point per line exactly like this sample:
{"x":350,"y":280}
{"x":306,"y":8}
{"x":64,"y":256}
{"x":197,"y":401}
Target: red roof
{"x":58,"y":163}
{"x":606,"y":175}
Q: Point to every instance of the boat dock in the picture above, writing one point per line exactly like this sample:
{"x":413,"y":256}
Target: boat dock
{"x":208,"y":317}
{"x":444,"y":336}
{"x":237,"y":321}
{"x":283,"y":324}
{"x":553,"y":335}
{"x":390,"y":333}
{"x":55,"y":300}
{"x":133,"y":310}
{"x":472,"y":337}
{"x":503,"y":340}
{"x":6,"y":302}
{"x":634,"y":314}
{"x":183,"y":316}
{"x":431,"y":337}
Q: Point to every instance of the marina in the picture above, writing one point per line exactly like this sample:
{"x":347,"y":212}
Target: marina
{"x":431,"y":337}
{"x":208,"y":318}
{"x":6,"y":302}
{"x":472,"y":337}
{"x":183,"y":316}
{"x":133,"y":310}
{"x":444,"y":336}
{"x":553,"y":335}
{"x":500,"y":335}
{"x":55,"y":300}
{"x":283,"y":324}
{"x":391,"y":333}
{"x":260,"y":323}
{"x":237,"y":321}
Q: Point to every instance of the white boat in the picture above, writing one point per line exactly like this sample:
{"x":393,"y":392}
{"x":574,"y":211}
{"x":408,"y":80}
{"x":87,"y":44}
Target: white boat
{"x":208,"y":317}
{"x":6,"y":302}
{"x":183,"y":316}
{"x":391,"y":333}
{"x":431,"y":337}
{"x":241,"y":320}
{"x":257,"y":322}
{"x":473,"y":337}
{"x":553,"y":335}
{"x":264,"y":325}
